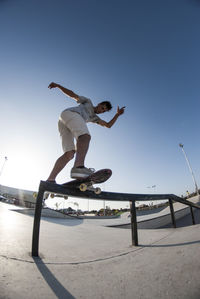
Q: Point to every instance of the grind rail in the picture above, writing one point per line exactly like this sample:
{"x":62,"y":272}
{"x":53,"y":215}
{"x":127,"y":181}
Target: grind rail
{"x":110,"y":196}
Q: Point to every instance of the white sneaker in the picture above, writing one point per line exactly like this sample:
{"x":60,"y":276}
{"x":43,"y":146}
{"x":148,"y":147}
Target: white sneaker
{"x":80,"y":173}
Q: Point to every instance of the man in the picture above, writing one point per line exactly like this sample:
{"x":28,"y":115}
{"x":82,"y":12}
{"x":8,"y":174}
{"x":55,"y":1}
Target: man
{"x":72,"y":124}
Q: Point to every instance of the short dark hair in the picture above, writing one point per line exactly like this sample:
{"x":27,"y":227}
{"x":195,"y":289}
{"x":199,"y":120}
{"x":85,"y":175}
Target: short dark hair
{"x":108,"y":105}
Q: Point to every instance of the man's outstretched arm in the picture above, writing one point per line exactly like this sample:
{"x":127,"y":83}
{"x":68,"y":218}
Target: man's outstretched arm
{"x":109,"y":124}
{"x":65,"y":90}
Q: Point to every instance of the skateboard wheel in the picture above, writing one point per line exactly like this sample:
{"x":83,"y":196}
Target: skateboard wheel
{"x":97,"y":190}
{"x":83,"y":187}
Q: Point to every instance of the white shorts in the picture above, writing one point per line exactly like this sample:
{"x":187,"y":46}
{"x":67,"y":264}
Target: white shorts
{"x":71,"y":125}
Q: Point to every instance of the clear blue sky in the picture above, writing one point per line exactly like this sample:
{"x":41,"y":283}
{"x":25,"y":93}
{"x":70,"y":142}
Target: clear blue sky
{"x":140,"y":54}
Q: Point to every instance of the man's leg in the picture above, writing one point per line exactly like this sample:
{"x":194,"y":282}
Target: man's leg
{"x":60,"y":164}
{"x":79,"y":170}
{"x":82,"y":148}
{"x":73,"y":126}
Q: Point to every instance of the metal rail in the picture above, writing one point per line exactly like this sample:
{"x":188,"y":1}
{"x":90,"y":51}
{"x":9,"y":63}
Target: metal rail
{"x":111,"y":196}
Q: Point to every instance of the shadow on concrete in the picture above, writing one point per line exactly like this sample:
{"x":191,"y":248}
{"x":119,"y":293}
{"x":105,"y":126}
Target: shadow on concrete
{"x":71,"y":221}
{"x":170,"y":245}
{"x":58,"y":289}
{"x":65,"y":222}
{"x":186,"y":220}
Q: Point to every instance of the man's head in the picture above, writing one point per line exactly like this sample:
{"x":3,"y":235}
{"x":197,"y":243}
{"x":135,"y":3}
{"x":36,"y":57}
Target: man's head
{"x":103,"y":107}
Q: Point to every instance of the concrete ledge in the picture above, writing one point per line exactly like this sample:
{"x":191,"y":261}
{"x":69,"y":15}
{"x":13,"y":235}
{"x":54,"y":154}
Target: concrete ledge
{"x":46,"y":212}
{"x":156,"y":220}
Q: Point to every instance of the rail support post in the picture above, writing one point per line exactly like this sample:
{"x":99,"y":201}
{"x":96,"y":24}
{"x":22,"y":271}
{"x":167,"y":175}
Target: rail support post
{"x":134,"y":231}
{"x":36,"y":225}
{"x":172,"y":213}
{"x":192,"y":214}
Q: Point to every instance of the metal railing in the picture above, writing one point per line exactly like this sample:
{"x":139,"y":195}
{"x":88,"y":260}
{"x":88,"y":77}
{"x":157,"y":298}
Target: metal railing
{"x":111,"y":196}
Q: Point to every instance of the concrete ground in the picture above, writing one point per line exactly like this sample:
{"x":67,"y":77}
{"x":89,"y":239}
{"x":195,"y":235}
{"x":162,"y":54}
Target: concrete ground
{"x":81,"y":260}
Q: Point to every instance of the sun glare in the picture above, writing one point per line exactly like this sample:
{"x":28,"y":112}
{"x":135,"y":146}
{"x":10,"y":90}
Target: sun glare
{"x":21,"y":170}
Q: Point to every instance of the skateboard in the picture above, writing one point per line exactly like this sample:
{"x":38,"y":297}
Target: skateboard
{"x":87,"y":183}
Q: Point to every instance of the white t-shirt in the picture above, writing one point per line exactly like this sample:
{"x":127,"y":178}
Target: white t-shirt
{"x":85,"y":109}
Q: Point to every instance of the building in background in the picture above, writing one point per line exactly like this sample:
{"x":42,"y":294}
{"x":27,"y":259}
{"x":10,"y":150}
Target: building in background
{"x":20,"y":197}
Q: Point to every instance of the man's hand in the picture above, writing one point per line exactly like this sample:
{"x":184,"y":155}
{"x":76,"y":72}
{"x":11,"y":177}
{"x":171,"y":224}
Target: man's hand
{"x":120,"y":111}
{"x":109,"y":124}
{"x":53,"y":85}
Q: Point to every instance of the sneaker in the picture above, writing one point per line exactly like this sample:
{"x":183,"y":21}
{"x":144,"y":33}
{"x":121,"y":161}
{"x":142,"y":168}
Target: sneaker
{"x":51,"y":181}
{"x":81,"y":173}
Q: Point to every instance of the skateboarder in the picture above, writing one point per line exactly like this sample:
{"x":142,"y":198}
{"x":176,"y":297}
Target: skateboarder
{"x":72,"y":124}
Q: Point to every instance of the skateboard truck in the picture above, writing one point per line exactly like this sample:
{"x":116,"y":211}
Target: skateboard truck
{"x":83,"y":187}
{"x":52,"y":195}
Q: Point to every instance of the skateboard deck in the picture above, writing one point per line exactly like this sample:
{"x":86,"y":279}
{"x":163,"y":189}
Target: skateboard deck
{"x":87,"y":183}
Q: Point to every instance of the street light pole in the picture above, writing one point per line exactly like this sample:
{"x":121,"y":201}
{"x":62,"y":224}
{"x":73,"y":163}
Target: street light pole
{"x":190,"y":168}
{"x":5,"y":159}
